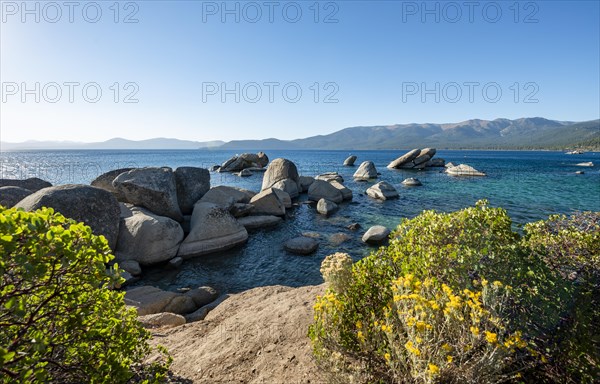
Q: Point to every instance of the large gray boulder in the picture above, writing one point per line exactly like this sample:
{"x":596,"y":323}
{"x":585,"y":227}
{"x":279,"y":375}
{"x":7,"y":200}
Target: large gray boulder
{"x":192,"y":183}
{"x":375,"y":235}
{"x":326,"y":207}
{"x":349,"y":162}
{"x":10,"y":195}
{"x":320,"y":189}
{"x":279,"y":169}
{"x":34,"y":184}
{"x":404,"y":159}
{"x":366,"y":171}
{"x":285,"y":198}
{"x":213,"y":229}
{"x":257,"y":222}
{"x":226,"y":197}
{"x":268,"y":202}
{"x":301,"y":245}
{"x":463,"y":170}
{"x":346,"y":192}
{"x":305,"y":182}
{"x":105,"y":181}
{"x":241,"y":209}
{"x":202,"y":295}
{"x":289,"y":186}
{"x":146,"y":237}
{"x":94,"y":206}
{"x":148,"y":300}
{"x":151,"y":188}
{"x":382,"y":191}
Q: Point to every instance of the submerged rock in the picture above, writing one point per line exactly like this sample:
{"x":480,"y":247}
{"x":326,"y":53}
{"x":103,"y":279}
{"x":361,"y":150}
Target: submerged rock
{"x":257,"y":222}
{"x":301,"y":245}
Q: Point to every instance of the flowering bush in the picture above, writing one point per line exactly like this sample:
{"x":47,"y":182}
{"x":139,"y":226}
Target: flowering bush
{"x":454,"y":298}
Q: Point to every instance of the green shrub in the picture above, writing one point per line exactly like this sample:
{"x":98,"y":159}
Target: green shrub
{"x":570,"y":246}
{"x":59,"y":321}
{"x":368,"y":328}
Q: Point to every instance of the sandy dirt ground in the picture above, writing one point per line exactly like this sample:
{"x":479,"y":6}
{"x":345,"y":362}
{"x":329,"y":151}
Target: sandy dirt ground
{"x":258,"y":336}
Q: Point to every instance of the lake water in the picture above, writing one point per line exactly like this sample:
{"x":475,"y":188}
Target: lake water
{"x":530,"y":185}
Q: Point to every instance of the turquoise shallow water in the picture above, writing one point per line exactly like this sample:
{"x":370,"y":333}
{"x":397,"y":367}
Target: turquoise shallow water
{"x":530,"y":185}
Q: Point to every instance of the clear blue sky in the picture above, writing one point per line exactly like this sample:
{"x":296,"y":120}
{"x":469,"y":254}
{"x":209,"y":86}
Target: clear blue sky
{"x":378,"y":61}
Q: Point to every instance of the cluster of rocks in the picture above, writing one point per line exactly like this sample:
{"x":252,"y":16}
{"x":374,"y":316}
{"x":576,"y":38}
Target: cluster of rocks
{"x":244,"y":164}
{"x":158,"y":308}
{"x":158,"y":215}
{"x":417,"y":159}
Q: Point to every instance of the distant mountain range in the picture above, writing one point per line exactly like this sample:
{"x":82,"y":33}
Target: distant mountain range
{"x":524,"y":133}
{"x":116,"y":143}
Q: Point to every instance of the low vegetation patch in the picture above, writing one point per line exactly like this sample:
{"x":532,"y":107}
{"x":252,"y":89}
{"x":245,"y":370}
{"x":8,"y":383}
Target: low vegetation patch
{"x":59,"y":319}
{"x":461,"y":298}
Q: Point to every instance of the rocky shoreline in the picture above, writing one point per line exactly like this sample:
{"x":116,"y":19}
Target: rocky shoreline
{"x":158,"y":216}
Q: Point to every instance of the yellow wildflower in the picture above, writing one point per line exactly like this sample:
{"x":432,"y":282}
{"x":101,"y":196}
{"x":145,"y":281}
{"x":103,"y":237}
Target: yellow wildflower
{"x":433,"y":369}
{"x":497,"y":284}
{"x":491,"y":337}
{"x":359,"y":324}
{"x":387,"y":357}
{"x":475,"y":331}
{"x":411,"y":348}
{"x":446,"y":347}
{"x":421,"y":326}
{"x":449,"y":359}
